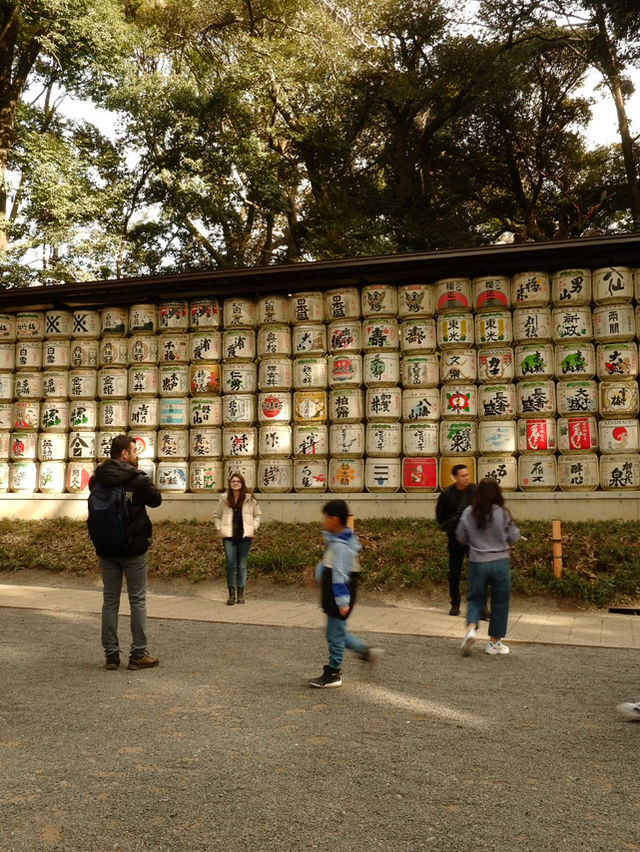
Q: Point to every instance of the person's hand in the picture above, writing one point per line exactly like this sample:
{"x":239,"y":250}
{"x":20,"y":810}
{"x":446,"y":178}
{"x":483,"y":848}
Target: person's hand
{"x":309,"y":576}
{"x":344,"y":610}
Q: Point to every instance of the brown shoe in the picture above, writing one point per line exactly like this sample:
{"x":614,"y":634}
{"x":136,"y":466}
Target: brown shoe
{"x":145,"y":662}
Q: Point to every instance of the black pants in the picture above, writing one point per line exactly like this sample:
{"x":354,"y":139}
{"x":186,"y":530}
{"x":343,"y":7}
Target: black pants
{"x":457,"y":553}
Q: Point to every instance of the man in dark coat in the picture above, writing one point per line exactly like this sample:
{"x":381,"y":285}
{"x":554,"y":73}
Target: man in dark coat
{"x":450,"y":506}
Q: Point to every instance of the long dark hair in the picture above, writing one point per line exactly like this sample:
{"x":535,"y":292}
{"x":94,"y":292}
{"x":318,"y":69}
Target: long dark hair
{"x":244,"y":491}
{"x":488,"y":494}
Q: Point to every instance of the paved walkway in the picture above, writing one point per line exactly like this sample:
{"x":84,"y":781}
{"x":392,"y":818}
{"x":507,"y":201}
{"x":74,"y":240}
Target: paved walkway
{"x":597,"y":629}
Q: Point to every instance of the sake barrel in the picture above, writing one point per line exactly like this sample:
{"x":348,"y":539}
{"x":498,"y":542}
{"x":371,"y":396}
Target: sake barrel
{"x":174,"y":412}
{"x":275,"y":374}
{"x":7,"y":386}
{"x":571,"y":287}
{"x":23,"y":476}
{"x":495,"y":365}
{"x":143,"y":349}
{"x":497,"y":402}
{"x":146,"y":442}
{"x":112,"y":382}
{"x":83,"y":415}
{"x":56,"y":354}
{"x":52,"y":446}
{"x":530,"y":289}
{"x":491,"y":292}
{"x":149,"y":467}
{"x":531,"y":325}
{"x":612,"y":284}
{"x":537,"y":434}
{"x":577,"y":434}
{"x":380,"y":333}
{"x":345,"y":370}
{"x":114,"y":414}
{"x":54,"y":416}
{"x":51,"y":477}
{"x":346,"y":475}
{"x":458,"y":436}
{"x":26,"y":415}
{"x":420,"y":439}
{"x":275,"y":440}
{"x":493,"y":329}
{"x":274,"y":407}
{"x":55,"y":384}
{"x":204,"y":379}
{"x":458,"y":365}
{"x":114,"y":321}
{"x":173,"y":316}
{"x":81,"y":445}
{"x":275,"y":476}
{"x":174,"y":348}
{"x":421,"y":404}
{"x":143,"y":413}
{"x":310,"y":373}
{"x":577,"y":397}
{"x":239,"y":377}
{"x":104,"y":440}
{"x":447,"y":463}
{"x":575,"y":360}
{"x":205,"y":346}
{"x":497,"y":437}
{"x":618,"y":436}
{"x":347,"y":440}
{"x":247,"y":468}
{"x":84,"y":354}
{"x":346,"y":405}
{"x":571,"y":324}
{"x":114,"y":351}
{"x":343,"y":303}
{"x":620,"y":472}
{"x":419,"y":474}
{"x":453,"y":294}
{"x":7,"y":328}
{"x":28,"y":355}
{"x":617,"y":361}
{"x":173,"y":380}
{"x":30,"y":325}
{"x":535,"y":361}
{"x":537,"y":472}
{"x":205,"y":314}
{"x":7,"y":356}
{"x":579,"y":472}
{"x":6,"y":415}
{"x":504,"y":469}
{"x":418,"y":336}
{"x":382,"y":474}
{"x":309,"y":339}
{"x":382,"y":369}
{"x":205,"y":411}
{"x":379,"y":300}
{"x":143,"y":380}
{"x":28,"y":385}
{"x":455,"y":330}
{"x":344,"y":336}
{"x":239,"y":409}
{"x":383,"y":440}
{"x":239,"y":344}
{"x":458,"y":401}
{"x":638,"y":321}
{"x":536,"y":398}
{"x":310,"y":475}
{"x":86,"y":324}
{"x":172,"y":444}
{"x":4,"y":476}
{"x":239,"y":313}
{"x":240,"y":442}
{"x":143,"y":319}
{"x":310,"y":406}
{"x":420,"y":371}
{"x":172,"y":476}
{"x":384,"y":403}
{"x":79,"y":474}
{"x":311,"y":440}
{"x":613,"y":323}
{"x":618,"y":399}
{"x":274,"y":341}
{"x":307,"y":308}
{"x":273,"y":309}
{"x":206,"y":476}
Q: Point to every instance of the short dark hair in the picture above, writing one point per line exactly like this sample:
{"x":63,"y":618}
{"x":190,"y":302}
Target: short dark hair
{"x":457,"y":468}
{"x":119,"y":444}
{"x":337,"y":509}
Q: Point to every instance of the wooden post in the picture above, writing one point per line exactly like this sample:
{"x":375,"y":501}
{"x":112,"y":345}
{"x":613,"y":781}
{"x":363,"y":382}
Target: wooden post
{"x":556,"y":535}
{"x":351,"y":522}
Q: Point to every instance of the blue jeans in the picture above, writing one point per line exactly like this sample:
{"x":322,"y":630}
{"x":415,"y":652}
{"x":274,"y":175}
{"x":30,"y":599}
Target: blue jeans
{"x":496,"y":576}
{"x":134,"y":568}
{"x":339,"y":638}
{"x":237,"y":554}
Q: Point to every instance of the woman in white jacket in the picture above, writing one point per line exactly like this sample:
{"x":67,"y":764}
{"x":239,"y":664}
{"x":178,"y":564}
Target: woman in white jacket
{"x":237,"y":518}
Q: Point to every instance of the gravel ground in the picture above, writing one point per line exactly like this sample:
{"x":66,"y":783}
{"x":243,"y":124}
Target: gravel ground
{"x":224,"y":747}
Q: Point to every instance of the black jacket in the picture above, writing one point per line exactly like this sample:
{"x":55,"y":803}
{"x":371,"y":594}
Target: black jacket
{"x":450,"y":506}
{"x":141,"y":492}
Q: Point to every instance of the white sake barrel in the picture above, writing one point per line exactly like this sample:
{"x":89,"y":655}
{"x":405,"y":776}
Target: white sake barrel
{"x":143,"y":349}
{"x":577,"y":434}
{"x":416,"y":300}
{"x":79,"y":474}
{"x":536,"y":398}
{"x":273,"y":309}
{"x":418,"y":336}
{"x":504,"y":469}
{"x":54,"y":416}
{"x":84,"y":354}
{"x":617,"y":361}
{"x":205,"y":346}
{"x":239,"y":409}
{"x":455,"y":330}
{"x":30,"y":325}
{"x":240,"y":442}
{"x":274,"y":407}
{"x":346,"y":405}
{"x":51,"y":477}
{"x":419,"y":474}
{"x":311,"y":440}
{"x":447,"y":463}
{"x":345,"y":370}
{"x":620,"y":473}
{"x":453,"y":294}
{"x":530,"y":289}
{"x":636,"y":284}
{"x":143,"y":319}
{"x":174,"y":412}
{"x":206,"y":314}
{"x":383,"y":440}
{"x":55,"y":384}
{"x":535,"y":361}
{"x":346,"y":475}
{"x":497,"y":402}
{"x":347,"y":440}
{"x":172,"y":476}
{"x":114,"y":414}
{"x":239,"y":344}
{"x":143,"y":413}
{"x":7,"y":356}
{"x":56,"y":354}
{"x":206,"y":476}
{"x":579,"y":472}
{"x":7,"y":328}
{"x":493,"y":329}
{"x":491,"y":292}
{"x":497,"y":437}
{"x":384,"y":403}
{"x":112,"y":382}
{"x":23,"y":445}
{"x":309,"y":339}
{"x":310,"y":406}
{"x":52,"y":446}
{"x":531,"y":325}
{"x":28,"y":385}
{"x":577,"y":397}
{"x":247,"y":468}
{"x":6,"y":416}
{"x":205,"y":411}
{"x":575,"y":360}
{"x":310,"y":373}
{"x":420,"y":439}
{"x":4,"y":476}
{"x":382,"y":474}
{"x":571,"y":324}
{"x":275,"y":476}
{"x":239,"y":313}
{"x":344,"y":336}
{"x":114,"y":321}
{"x":23,"y":477}
{"x":146,"y":442}
{"x":143,"y":380}
{"x":83,"y":415}
{"x":26,"y":415}
{"x":149,"y":467}
{"x":618,"y":399}
{"x":275,"y":441}
{"x":458,"y":436}
{"x":381,"y":369}
{"x":537,"y":472}
{"x":613,"y":323}
{"x":380,"y":334}
{"x":174,"y":348}
{"x":114,"y":351}
{"x":275,"y":374}
{"x":28,"y":355}
{"x":421,"y":404}
{"x":307,"y":308}
{"x":83,"y":384}
{"x":174,"y":380}
{"x":458,"y":401}
{"x":618,"y":436}
{"x":343,"y":303}
{"x":172,"y":444}
{"x":612,"y":284}
{"x":104,"y":440}
{"x":239,"y":377}
{"x":81,"y":445}
{"x":379,"y":300}
{"x":495,"y":365}
{"x":204,"y":379}
{"x":537,"y":434}
{"x":173,"y":316}
{"x":274,"y":341}
{"x":310,"y":475}
{"x":86,"y":324}
{"x":571,"y":287}
{"x":458,"y":365}
{"x":420,"y":371}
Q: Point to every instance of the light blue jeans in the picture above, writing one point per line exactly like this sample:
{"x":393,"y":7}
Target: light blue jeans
{"x":496,"y":576}
{"x":134,"y":569}
{"x":339,"y":638}
{"x":237,"y":555}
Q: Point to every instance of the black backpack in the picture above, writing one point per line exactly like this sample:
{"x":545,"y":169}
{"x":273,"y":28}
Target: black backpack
{"x":108,"y":517}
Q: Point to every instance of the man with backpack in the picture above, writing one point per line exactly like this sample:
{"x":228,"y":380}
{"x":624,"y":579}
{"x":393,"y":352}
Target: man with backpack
{"x":120,"y":530}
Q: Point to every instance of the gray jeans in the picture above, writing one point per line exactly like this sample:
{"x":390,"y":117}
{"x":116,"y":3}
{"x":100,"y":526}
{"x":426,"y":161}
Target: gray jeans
{"x":134,"y":568}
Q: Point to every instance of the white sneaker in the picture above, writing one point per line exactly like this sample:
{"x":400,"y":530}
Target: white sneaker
{"x":494,"y":648}
{"x":630,"y":710}
{"x":468,"y":641}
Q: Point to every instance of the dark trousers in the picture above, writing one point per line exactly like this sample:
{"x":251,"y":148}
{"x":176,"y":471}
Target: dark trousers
{"x":457,"y":553}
